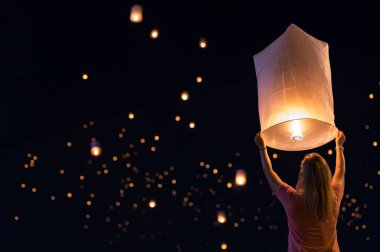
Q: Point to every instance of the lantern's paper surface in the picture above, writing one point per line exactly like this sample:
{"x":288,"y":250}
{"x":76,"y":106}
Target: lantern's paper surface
{"x":296,"y":105}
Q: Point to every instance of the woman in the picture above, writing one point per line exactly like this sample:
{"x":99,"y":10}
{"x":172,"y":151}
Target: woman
{"x":312,"y":208}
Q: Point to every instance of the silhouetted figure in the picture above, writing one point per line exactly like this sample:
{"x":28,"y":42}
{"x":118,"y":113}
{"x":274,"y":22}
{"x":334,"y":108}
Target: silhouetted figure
{"x":312,"y":208}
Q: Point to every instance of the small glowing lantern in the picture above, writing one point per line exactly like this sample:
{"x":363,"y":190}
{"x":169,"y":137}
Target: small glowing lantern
{"x":221,"y":217}
{"x":223,"y":246}
{"x":185,"y":96}
{"x":192,"y":125}
{"x":154,"y":33}
{"x":240,"y":178}
{"x":96,"y":150}
{"x":202,"y":43}
{"x":136,"y":15}
{"x":295,"y":98}
{"x":152,"y":204}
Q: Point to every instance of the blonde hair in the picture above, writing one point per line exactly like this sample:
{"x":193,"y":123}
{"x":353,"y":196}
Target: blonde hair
{"x":316,"y":185}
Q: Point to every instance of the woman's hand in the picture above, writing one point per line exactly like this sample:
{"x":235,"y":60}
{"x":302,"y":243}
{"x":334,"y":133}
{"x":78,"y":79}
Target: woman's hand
{"x":340,"y":139}
{"x":259,"y":141}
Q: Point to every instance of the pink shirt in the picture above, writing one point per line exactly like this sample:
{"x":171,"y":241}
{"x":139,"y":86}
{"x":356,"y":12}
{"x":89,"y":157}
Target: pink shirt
{"x":306,"y":234}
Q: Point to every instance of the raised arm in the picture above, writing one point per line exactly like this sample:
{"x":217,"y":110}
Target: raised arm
{"x":340,"y":163}
{"x":273,"y":179}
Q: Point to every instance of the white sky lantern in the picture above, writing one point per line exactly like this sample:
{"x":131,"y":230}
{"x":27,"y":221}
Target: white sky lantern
{"x":221,"y":217}
{"x":240,"y":178}
{"x":136,"y":15}
{"x":296,"y":105}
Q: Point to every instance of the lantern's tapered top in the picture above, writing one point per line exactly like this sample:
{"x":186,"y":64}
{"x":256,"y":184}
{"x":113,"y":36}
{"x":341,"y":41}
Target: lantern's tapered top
{"x":295,"y":98}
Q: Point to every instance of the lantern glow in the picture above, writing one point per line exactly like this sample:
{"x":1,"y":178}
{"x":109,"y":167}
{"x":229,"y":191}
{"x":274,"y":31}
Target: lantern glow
{"x":136,"y":15}
{"x":152,"y":204}
{"x":221,"y":217}
{"x":185,"y":95}
{"x":154,"y":33}
{"x":202,"y":43}
{"x":96,"y":150}
{"x":240,"y":178}
{"x":296,"y":129}
{"x":223,"y":246}
{"x":294,"y":92}
{"x":192,"y":125}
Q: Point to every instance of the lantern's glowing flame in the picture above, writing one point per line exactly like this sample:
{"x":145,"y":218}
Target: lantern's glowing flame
{"x":296,"y":129}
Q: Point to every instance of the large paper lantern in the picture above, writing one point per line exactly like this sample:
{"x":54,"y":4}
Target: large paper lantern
{"x":295,"y":96}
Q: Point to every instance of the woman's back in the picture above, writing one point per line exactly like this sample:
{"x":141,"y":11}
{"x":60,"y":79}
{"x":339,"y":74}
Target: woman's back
{"x":305,"y":233}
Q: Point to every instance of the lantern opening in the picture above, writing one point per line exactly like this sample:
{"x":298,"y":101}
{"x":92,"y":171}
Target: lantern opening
{"x":296,"y":129}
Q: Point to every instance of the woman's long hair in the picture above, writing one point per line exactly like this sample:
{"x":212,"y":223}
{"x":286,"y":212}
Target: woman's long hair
{"x":316,"y":185}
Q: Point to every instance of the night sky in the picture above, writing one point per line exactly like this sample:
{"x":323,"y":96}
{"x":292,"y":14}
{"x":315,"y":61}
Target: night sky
{"x":55,"y":196}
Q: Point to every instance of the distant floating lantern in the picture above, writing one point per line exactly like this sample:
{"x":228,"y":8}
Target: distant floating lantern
{"x":295,"y":96}
{"x":202,"y":43}
{"x":136,"y":15}
{"x":84,"y":76}
{"x":192,"y":125}
{"x":131,"y":116}
{"x":199,"y":79}
{"x":223,"y":246}
{"x":240,"y":178}
{"x":154,"y":33}
{"x":96,"y":150}
{"x":152,"y":204}
{"x":185,"y":95}
{"x":221,"y":217}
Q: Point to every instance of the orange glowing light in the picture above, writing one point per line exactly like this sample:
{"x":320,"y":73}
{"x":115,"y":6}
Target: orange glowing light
{"x":221,"y":217}
{"x":240,"y":178}
{"x":223,"y":246}
{"x":136,"y":15}
{"x":154,"y":33}
{"x":202,"y":43}
{"x":185,"y":96}
{"x":152,"y":204}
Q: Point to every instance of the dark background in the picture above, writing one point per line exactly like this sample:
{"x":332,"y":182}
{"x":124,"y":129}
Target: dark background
{"x":45,"y":48}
